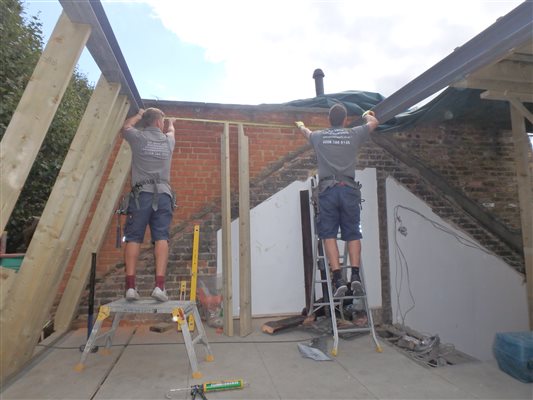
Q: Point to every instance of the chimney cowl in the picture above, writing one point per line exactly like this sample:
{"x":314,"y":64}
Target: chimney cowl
{"x":318,"y":76}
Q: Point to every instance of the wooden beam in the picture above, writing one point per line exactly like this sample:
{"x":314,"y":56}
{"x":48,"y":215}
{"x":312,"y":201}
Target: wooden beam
{"x":95,"y":234}
{"x":227,"y":282}
{"x":510,"y":96}
{"x":514,"y":102}
{"x":522,"y":90}
{"x":36,"y":109}
{"x":494,"y":43}
{"x":526,"y":56}
{"x":103,"y":46}
{"x":518,"y":106}
{"x":522,"y":148}
{"x":93,"y":149}
{"x":505,"y":70}
{"x":41,"y":272}
{"x":272,"y":327}
{"x":7,"y":277}
{"x":245,"y":267}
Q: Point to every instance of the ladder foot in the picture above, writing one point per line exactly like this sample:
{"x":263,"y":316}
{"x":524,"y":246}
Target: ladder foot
{"x":209,"y":358}
{"x":334,"y":352}
{"x":196,"y":375}
{"x":379,"y":349}
{"x":105,"y":352}
{"x":79,"y":367}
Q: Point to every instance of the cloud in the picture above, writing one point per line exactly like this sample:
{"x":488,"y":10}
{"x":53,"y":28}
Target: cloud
{"x":269,"y":49}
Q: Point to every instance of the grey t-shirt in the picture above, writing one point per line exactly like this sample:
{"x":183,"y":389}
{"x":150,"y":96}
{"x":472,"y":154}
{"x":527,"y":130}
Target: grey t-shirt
{"x":151,"y":158}
{"x":336,"y":149}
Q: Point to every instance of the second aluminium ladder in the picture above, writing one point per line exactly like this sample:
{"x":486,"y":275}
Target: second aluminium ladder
{"x":333,"y":305}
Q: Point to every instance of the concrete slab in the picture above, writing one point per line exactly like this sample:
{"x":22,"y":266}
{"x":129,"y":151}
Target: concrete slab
{"x":391,"y":375}
{"x":239,"y":361}
{"x":296,"y":377}
{"x":54,"y":377}
{"x":144,"y":335}
{"x":146,"y":365}
{"x":147,"y":372}
{"x":485,"y":380}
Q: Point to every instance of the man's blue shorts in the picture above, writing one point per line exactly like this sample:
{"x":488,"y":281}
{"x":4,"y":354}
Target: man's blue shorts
{"x":339,"y":207}
{"x":139,"y":218}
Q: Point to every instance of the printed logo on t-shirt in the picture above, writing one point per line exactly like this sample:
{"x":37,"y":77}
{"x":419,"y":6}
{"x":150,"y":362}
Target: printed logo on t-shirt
{"x":156,"y":149}
{"x":336,"y":137}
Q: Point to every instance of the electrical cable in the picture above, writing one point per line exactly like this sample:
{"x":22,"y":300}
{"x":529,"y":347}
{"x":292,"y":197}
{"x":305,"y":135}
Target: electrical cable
{"x":462,"y":240}
{"x":401,"y":260}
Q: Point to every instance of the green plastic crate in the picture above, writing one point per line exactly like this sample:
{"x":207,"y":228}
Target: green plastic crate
{"x":11,"y":261}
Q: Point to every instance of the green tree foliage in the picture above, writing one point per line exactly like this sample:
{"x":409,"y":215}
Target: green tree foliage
{"x":20,"y":48}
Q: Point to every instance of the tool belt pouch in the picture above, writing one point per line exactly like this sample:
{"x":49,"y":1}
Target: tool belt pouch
{"x":124,"y":204}
{"x":358,"y":194}
{"x":359,"y":200}
{"x":174,"y":200}
{"x":314,"y":198}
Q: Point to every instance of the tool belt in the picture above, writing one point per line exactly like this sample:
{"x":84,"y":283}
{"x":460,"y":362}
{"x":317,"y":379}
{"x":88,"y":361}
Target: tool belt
{"x":330,"y":181}
{"x":342,"y":180}
{"x":137,"y":189}
{"x":134,"y":194}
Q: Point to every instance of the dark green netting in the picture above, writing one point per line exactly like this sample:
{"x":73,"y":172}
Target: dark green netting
{"x":453,"y":104}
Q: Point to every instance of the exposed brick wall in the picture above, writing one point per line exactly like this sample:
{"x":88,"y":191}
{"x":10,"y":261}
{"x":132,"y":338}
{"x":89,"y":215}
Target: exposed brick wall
{"x":478,"y":162}
{"x":273,"y":140}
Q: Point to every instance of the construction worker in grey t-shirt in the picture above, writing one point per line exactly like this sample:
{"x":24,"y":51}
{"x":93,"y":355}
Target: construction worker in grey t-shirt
{"x":339,"y":195}
{"x":151,"y":201}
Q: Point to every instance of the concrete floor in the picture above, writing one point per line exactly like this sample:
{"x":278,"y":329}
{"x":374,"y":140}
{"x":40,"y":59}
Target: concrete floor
{"x":145,"y":365}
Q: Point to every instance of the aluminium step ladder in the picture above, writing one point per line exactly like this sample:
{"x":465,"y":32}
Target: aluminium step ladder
{"x":332,"y":305}
{"x":180,"y":311}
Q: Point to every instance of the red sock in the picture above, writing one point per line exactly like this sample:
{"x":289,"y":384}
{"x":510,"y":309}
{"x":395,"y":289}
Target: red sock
{"x":160,"y":282}
{"x":130,"y":282}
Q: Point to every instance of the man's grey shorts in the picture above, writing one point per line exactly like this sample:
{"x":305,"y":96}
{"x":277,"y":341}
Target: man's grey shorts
{"x":339,"y":207}
{"x":139,"y":218}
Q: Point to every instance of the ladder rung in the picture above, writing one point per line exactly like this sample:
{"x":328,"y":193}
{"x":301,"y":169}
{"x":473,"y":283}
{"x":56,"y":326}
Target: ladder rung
{"x":320,"y":263}
{"x":326,"y":303}
{"x":351,"y":297}
{"x":197,"y":339}
{"x":341,"y":330}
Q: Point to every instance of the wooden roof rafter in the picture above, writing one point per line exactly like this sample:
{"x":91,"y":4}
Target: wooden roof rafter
{"x":103,"y":46}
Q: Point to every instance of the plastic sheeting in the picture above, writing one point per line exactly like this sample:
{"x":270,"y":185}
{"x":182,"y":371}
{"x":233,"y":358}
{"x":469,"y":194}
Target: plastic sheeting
{"x":461,"y":105}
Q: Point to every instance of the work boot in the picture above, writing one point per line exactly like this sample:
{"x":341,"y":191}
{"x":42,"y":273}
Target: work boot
{"x":159,"y":295}
{"x":132,"y":294}
{"x":355,"y":283}
{"x":357,"y":288}
{"x":339,"y":287}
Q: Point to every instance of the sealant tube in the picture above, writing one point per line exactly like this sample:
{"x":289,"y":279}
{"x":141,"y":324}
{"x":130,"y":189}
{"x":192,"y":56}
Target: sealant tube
{"x":212,"y":386}
{"x":215,"y":386}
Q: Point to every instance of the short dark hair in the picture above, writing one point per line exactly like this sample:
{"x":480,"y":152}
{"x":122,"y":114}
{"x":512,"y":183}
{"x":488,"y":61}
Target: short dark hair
{"x":151,"y":115}
{"x":337,"y":114}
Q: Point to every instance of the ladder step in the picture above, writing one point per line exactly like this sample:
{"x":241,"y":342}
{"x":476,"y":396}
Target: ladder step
{"x":179,"y":309}
{"x":336,"y":304}
{"x":324,"y":303}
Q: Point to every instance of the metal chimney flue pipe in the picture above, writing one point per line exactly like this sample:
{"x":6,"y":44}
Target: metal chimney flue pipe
{"x":318,"y":76}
